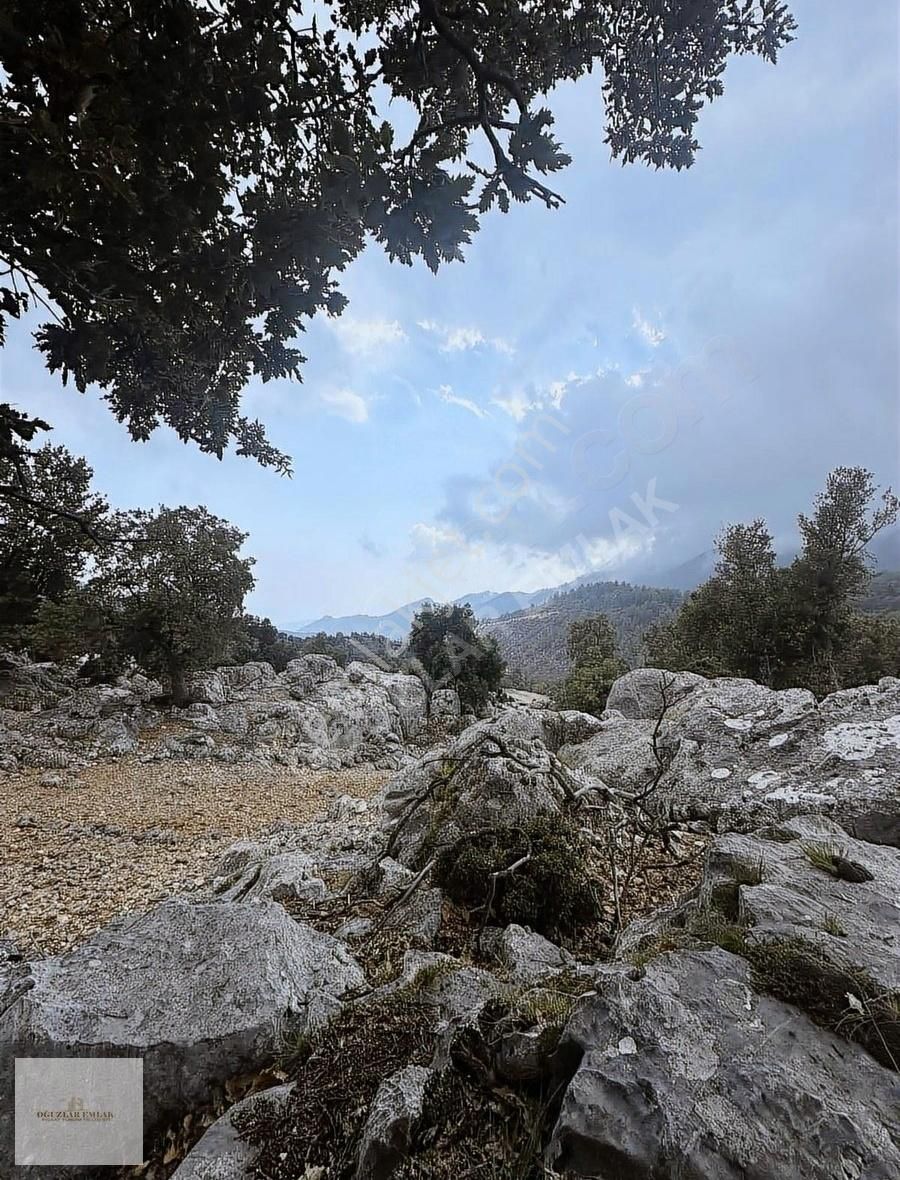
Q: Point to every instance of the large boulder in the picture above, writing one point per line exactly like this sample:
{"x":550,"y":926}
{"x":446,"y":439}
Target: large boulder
{"x":306,"y":673}
{"x":639,"y":695}
{"x":239,"y":679}
{"x":495,"y":771}
{"x":686,"y":1071}
{"x":741,"y":755}
{"x":406,"y":693}
{"x":198,"y":991}
{"x":620,"y":753}
{"x":26,"y":686}
{"x":205,"y":688}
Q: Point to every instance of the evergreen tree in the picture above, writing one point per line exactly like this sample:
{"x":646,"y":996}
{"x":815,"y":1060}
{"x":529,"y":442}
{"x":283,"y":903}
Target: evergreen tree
{"x":453,"y":655}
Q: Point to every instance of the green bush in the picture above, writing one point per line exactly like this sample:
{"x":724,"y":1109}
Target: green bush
{"x":550,"y":892}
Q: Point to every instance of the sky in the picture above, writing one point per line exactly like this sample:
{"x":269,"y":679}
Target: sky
{"x":598,"y":388}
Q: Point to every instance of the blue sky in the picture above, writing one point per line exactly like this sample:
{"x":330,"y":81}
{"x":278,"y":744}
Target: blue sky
{"x":601,"y":387}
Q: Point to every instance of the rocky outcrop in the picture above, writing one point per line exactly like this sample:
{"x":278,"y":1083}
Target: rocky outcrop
{"x":685,"y":1070}
{"x":742,"y":755}
{"x":638,"y":695}
{"x":747,"y":1033}
{"x":198,"y":991}
{"x":808,"y":881}
{"x":497,"y":770}
{"x":315,"y":713}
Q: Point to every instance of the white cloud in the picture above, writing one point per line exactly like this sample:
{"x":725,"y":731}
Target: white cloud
{"x":346,"y":404}
{"x":446,"y":394}
{"x":463,"y":339}
{"x":517,"y":404}
{"x":651,"y":334}
{"x":434,"y":538}
{"x":444,"y":564}
{"x":365,"y":337}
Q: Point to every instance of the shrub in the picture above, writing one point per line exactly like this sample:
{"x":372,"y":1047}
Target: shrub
{"x":550,"y":891}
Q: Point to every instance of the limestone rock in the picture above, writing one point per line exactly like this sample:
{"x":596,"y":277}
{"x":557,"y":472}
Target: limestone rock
{"x":222,"y":1154}
{"x":392,"y":1121}
{"x":687,"y":1071}
{"x":197,"y":990}
{"x":528,"y":957}
{"x":205,"y":688}
{"x":495,"y":770}
{"x":638,"y":695}
{"x":742,"y":755}
{"x":772,"y":886}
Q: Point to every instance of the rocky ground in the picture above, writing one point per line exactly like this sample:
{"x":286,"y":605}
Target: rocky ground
{"x":663,"y":942}
{"x":80,"y":847}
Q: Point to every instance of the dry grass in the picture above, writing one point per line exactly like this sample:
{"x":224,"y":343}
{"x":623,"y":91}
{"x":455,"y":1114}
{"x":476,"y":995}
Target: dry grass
{"x":122,"y":835}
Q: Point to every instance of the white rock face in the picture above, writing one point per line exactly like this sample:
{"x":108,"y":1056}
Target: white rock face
{"x":744,"y":754}
{"x":855,"y":741}
{"x":684,"y":1070}
{"x":638,"y":694}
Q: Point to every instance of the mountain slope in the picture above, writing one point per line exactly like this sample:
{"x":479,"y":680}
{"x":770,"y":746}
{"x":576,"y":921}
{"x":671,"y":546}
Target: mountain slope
{"x":882,"y":595}
{"x":533,"y":641}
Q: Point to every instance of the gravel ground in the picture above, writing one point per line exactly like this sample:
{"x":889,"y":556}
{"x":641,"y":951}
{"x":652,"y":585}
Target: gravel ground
{"x":123,"y":835}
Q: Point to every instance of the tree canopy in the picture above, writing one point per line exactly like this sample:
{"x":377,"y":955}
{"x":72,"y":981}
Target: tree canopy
{"x":795,"y":624}
{"x":596,"y":664}
{"x":49,"y":521}
{"x":446,"y":643}
{"x":169,"y":596}
{"x":184,"y":180}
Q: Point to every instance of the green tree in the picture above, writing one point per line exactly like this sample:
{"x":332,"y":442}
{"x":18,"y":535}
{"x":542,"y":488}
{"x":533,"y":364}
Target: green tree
{"x":50,"y":523}
{"x":832,"y":570}
{"x":795,"y":624}
{"x":596,"y":664}
{"x":260,"y":639}
{"x":169,"y":595}
{"x":729,"y":625}
{"x":445,"y":641}
{"x":183,"y":182}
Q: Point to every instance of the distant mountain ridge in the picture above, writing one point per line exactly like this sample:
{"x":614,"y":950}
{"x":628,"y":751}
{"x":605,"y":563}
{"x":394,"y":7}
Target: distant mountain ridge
{"x":531,"y":629}
{"x":486,"y":604}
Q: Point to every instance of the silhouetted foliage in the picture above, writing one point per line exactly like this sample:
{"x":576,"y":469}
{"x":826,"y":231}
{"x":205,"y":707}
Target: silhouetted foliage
{"x":49,"y":520}
{"x":169,"y":596}
{"x":184,"y":181}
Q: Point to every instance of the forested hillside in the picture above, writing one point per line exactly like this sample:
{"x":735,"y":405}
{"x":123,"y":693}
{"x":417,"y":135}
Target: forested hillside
{"x":533,"y":641}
